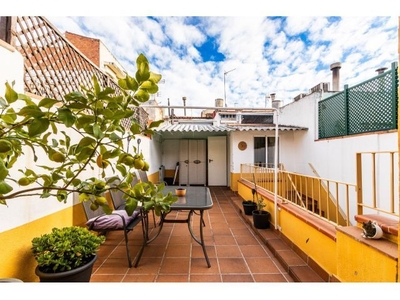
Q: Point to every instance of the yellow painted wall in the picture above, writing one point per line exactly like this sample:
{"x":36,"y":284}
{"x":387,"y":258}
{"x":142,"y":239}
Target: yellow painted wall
{"x":358,"y":262}
{"x":245,"y":193}
{"x":311,"y":241}
{"x":345,"y":258}
{"x":155,"y":177}
{"x":234,"y":181}
{"x":16,"y":259}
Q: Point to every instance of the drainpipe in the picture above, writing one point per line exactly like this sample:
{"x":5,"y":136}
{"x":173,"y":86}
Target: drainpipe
{"x":169,"y":112}
{"x":276,"y":171}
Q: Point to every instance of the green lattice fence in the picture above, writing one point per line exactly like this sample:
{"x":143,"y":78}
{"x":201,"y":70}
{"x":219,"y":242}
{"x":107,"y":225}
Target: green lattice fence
{"x":367,"y":107}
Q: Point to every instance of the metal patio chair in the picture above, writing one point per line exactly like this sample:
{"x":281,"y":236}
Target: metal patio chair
{"x":118,"y":220}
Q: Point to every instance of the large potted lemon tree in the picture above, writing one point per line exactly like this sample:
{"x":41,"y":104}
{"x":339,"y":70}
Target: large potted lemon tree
{"x":84,"y":130}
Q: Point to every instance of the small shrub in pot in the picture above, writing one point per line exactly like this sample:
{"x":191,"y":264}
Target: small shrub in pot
{"x":65,"y":249}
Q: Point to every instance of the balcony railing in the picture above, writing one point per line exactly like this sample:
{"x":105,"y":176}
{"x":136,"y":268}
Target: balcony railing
{"x":377,"y":182}
{"x":320,"y":196}
{"x":331,"y":199}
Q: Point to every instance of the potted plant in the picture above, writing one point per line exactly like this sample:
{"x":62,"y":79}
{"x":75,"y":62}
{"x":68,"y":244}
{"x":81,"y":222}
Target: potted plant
{"x":371,"y":230}
{"x":249,"y":205}
{"x":86,"y":130}
{"x":261,"y":217}
{"x":66,"y":254}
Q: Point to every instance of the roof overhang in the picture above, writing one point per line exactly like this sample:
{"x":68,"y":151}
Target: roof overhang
{"x":191,"y":128}
{"x":183,"y":128}
{"x":266,"y":128}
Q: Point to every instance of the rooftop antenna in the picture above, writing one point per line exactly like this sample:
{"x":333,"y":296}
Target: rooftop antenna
{"x":225,"y":73}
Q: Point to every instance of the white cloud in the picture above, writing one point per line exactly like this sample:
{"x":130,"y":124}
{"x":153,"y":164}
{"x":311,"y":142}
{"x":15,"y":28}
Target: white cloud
{"x":268,"y":55}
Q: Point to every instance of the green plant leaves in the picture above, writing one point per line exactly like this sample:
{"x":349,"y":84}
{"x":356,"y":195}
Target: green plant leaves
{"x":65,"y":248}
{"x":9,"y":116}
{"x":66,"y":116}
{"x":38,"y":126}
{"x":143,"y":69}
{"x":128,"y":83}
{"x":85,"y":131}
{"x":47,"y":102}
{"x":11,"y":96}
{"x":5,"y":188}
{"x":142,"y":95}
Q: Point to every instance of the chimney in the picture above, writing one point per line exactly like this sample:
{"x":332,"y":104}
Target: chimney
{"x":219,"y":102}
{"x":381,"y":70}
{"x":184,"y":104}
{"x":335,"y":67}
{"x":275,"y":103}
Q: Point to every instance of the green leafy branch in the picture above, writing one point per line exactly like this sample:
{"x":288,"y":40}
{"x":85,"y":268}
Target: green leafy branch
{"x":81,"y":132}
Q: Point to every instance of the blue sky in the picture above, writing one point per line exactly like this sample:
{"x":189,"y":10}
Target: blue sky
{"x":259,"y":52}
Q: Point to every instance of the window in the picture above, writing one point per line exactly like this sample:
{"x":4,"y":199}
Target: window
{"x":259,"y":151}
{"x":264,"y":151}
{"x":271,"y":152}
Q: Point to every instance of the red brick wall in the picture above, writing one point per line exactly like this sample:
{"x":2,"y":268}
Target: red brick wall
{"x":88,"y":46}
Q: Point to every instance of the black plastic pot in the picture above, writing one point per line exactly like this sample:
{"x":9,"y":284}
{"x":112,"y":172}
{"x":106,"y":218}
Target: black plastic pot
{"x":248,"y":207}
{"x":261,"y":219}
{"x":80,"y":274}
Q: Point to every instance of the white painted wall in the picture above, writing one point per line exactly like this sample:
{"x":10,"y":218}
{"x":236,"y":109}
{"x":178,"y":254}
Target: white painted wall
{"x":237,"y":156}
{"x":105,"y":56}
{"x":170,"y":153}
{"x":151,"y":148}
{"x":333,"y":158}
{"x":12,"y":67}
{"x":25,"y":209}
{"x":22,"y":210}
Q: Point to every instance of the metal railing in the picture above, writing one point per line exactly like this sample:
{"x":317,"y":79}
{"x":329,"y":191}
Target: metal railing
{"x":377,"y":182}
{"x":324,"y":198}
{"x":375,"y":191}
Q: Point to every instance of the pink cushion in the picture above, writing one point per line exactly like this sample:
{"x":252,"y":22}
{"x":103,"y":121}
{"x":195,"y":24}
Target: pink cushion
{"x":112,"y":221}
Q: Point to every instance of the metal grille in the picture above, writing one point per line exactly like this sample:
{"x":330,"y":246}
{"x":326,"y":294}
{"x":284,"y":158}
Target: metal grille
{"x":370,"y":106}
{"x":53,"y":66}
{"x":331,"y":116}
{"x":367,"y":107}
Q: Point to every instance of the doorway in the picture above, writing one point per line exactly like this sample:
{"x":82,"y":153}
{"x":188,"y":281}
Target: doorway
{"x":217,"y":163}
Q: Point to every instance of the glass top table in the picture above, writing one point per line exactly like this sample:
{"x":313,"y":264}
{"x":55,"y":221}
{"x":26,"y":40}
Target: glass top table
{"x":197,"y":197}
{"x":196,"y":201}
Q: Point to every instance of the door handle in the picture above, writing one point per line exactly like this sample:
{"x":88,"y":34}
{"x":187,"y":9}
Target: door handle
{"x":210,"y":160}
{"x":197,"y":161}
{"x":186,"y":161}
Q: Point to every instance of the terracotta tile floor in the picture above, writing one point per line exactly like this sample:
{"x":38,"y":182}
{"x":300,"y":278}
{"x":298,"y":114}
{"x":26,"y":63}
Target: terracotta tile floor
{"x":235,"y":253}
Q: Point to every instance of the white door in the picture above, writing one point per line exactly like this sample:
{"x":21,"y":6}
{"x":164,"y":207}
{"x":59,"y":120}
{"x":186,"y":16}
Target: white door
{"x":217,"y":163}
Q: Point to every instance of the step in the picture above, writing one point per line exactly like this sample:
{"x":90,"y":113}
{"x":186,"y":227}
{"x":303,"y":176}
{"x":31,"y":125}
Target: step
{"x":296,"y":267}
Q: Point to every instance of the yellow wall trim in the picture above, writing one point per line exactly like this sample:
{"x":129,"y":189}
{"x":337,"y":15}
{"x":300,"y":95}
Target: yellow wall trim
{"x":16,"y":260}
